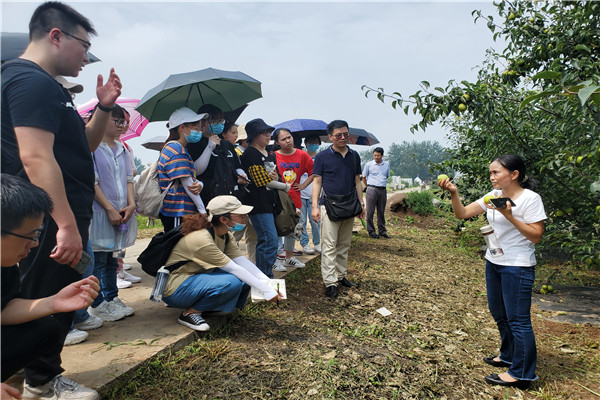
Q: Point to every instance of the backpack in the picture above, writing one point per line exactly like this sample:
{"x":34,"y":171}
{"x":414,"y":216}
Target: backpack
{"x":286,"y":219}
{"x":148,"y":193}
{"x":222,"y":179}
{"x":160,"y":247}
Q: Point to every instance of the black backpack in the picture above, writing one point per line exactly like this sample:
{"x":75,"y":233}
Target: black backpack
{"x":159,"y":249}
{"x":221,"y":179}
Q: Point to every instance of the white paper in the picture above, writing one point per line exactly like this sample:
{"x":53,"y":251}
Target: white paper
{"x":277,"y":284}
{"x":384,"y":311}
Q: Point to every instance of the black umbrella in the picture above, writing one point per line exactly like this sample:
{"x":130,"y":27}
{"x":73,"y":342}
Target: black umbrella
{"x":13,"y":44}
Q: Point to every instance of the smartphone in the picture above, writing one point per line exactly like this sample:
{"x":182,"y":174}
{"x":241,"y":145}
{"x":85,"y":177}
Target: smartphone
{"x":86,"y":259}
{"x":500,"y":202}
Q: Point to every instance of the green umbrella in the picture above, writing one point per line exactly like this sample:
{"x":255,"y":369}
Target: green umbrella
{"x":227,"y":90}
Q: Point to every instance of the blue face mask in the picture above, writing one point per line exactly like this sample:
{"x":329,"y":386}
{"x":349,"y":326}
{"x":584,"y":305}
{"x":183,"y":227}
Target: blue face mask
{"x":217,"y":129}
{"x":313,"y":147}
{"x":237,"y":227}
{"x":194,"y":137}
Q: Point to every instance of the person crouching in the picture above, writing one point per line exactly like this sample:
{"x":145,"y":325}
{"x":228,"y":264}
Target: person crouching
{"x":217,"y":276}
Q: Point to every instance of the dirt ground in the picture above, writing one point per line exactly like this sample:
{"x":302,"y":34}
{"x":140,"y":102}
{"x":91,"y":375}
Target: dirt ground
{"x":430,"y":347}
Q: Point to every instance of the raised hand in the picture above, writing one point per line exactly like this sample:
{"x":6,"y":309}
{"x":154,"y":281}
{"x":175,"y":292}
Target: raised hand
{"x":108,"y":93}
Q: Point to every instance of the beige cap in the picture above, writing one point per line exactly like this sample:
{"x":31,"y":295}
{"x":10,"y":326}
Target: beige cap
{"x":70,"y":86}
{"x":226,"y":204}
{"x":242,"y":135}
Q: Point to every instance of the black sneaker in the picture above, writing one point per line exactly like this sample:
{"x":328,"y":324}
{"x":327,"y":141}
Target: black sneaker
{"x":193,"y":321}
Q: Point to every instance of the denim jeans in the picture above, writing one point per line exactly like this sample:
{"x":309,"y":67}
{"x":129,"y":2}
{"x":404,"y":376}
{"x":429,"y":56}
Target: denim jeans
{"x":266,"y":245}
{"x":315,"y":227}
{"x":105,"y":269}
{"x":216,"y":290}
{"x":82,"y":315}
{"x":509,"y":300}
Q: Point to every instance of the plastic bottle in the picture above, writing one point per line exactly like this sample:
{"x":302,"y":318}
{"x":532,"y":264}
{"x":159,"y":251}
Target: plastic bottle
{"x":491,"y":240}
{"x":162,"y":276}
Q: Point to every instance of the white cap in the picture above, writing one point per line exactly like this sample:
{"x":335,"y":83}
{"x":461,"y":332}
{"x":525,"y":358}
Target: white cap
{"x":183,"y":115}
{"x":70,"y":86}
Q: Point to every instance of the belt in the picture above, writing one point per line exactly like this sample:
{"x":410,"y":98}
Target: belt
{"x":378,"y":187}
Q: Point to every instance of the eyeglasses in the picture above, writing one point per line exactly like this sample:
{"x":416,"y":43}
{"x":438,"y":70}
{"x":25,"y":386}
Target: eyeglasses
{"x":86,"y":44}
{"x":339,"y":135}
{"x":121,"y":123}
{"x":36,"y":234}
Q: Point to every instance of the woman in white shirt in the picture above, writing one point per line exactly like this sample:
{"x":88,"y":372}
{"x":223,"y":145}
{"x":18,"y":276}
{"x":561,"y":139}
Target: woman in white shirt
{"x":510,"y":276}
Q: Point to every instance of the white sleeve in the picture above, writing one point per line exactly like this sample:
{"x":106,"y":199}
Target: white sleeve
{"x":250,"y":275}
{"x":278,"y":185}
{"x":202,"y":162}
{"x":187,"y":181}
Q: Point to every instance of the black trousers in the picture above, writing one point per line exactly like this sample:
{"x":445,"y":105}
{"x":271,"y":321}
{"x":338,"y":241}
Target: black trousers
{"x":41,"y":276}
{"x":376,"y":199}
{"x":169,"y":222}
{"x":25,"y":343}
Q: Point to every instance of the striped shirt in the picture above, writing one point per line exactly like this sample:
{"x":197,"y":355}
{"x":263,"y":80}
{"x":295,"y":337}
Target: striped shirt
{"x":175,"y":163}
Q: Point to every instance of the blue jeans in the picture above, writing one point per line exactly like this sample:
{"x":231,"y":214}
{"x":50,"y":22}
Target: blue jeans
{"x":266,"y":245}
{"x":82,"y":315}
{"x":509,"y":300}
{"x":305,"y":214}
{"x":216,"y":290}
{"x":105,"y":269}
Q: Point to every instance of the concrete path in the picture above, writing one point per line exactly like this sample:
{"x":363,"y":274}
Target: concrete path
{"x":118,"y":347}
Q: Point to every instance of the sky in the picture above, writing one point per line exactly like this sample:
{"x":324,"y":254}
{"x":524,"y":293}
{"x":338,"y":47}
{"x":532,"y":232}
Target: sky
{"x":311,"y":57}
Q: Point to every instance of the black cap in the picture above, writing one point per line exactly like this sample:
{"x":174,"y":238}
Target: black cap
{"x":256,"y":127}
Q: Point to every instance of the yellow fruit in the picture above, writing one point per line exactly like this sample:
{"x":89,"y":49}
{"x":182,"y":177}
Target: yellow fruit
{"x":571,"y":158}
{"x":543,"y":291}
{"x":511,"y":16}
{"x":560,"y":213}
{"x":442,"y":177}
{"x":550,"y":288}
{"x":544,"y":287}
{"x":569,"y":210}
{"x":466,"y":96}
{"x":487,"y":198}
{"x":579,"y":159}
{"x":462,"y":107}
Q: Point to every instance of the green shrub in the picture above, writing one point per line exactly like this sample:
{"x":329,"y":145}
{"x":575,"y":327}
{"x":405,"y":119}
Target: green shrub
{"x":420,"y":202}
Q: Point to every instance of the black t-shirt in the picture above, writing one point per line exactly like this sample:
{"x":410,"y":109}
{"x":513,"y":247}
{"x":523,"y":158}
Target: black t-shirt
{"x":32,"y":98}
{"x":11,"y":284}
{"x":260,"y":197}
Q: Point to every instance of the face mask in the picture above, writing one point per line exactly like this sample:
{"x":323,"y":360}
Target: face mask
{"x":217,"y":129}
{"x":237,"y":227}
{"x":194,"y":137}
{"x":313,"y":147}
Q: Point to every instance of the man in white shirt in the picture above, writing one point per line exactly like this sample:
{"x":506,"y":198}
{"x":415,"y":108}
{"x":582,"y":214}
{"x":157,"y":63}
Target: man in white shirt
{"x":375,"y":176}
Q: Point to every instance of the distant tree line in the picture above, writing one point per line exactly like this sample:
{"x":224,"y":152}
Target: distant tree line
{"x":411,"y":159}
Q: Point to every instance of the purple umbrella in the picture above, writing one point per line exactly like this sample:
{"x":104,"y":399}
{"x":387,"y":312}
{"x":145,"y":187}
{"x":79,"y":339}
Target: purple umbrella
{"x":304,"y":127}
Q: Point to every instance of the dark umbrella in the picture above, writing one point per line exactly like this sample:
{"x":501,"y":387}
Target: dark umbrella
{"x":13,"y":44}
{"x":358,"y":137}
{"x":228,"y":90}
{"x":156,"y":143}
{"x":304,"y":127}
{"x":233,"y":116}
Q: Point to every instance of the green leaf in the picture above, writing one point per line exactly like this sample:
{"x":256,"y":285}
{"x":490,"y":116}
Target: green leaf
{"x":586,"y":92}
{"x":537,"y":96}
{"x":547,"y":75}
{"x":583,"y":47}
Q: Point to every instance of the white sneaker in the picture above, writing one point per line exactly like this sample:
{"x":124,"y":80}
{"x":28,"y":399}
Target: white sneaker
{"x":118,"y":304}
{"x":126,"y":276}
{"x":60,"y":388}
{"x":126,"y":267}
{"x":75,"y":336}
{"x":317,"y":248}
{"x":92,"y":322}
{"x":308,"y":250}
{"x":107,"y":311}
{"x":278,"y":267}
{"x":293,"y":262}
{"x":122,"y":283}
